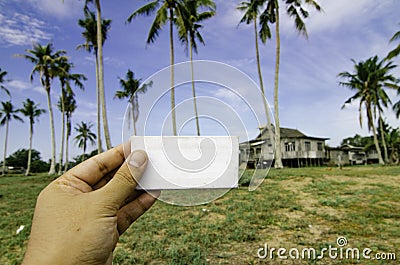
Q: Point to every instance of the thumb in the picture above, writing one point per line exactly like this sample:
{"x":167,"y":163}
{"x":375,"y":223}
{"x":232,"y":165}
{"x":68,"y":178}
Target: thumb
{"x":125,"y":180}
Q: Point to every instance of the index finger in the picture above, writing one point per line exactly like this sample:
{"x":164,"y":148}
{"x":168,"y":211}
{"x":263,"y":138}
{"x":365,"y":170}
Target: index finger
{"x":93,"y":169}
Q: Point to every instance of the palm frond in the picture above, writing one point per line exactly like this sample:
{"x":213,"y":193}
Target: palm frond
{"x":144,"y":10}
{"x":395,"y":37}
{"x":265,"y":31}
{"x":396,"y":109}
{"x":2,"y":81}
{"x":314,"y":4}
{"x":298,"y":22}
{"x":159,"y":21}
{"x":393,"y":53}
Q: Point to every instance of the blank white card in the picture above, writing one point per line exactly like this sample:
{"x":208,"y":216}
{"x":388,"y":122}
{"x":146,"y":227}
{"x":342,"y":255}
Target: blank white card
{"x":189,"y":162}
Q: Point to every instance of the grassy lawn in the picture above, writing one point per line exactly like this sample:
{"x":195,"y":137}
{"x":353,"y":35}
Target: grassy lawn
{"x":293,"y":208}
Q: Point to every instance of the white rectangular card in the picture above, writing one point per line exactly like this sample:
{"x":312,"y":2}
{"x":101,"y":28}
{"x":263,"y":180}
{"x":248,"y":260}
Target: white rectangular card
{"x":189,"y":162}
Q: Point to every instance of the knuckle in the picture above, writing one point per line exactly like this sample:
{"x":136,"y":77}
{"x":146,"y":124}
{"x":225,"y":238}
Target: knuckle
{"x":100,"y":165}
{"x":125,"y":175}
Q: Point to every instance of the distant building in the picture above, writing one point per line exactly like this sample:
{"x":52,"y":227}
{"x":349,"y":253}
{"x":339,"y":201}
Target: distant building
{"x":354,"y":155}
{"x":298,"y":149}
{"x":346,"y":155}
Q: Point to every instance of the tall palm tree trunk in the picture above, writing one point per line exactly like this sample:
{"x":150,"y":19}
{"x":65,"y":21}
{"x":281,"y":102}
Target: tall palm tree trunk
{"x":372,"y":127}
{"x":67,"y":147}
{"x":278,"y":151}
{"x":135,"y":110}
{"x":133,"y":114}
{"x":385,"y":149}
{"x":101,"y":77}
{"x":28,"y":167}
{"x":171,"y":42}
{"x":270,"y":132}
{"x":5,"y":149}
{"x":84,"y":152}
{"x":99,"y":145}
{"x":194,"y":89}
{"x":53,"y":140}
{"x":62,"y":133}
{"x":66,"y":153}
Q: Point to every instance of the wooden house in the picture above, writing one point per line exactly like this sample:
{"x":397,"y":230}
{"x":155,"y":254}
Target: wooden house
{"x":298,"y":149}
{"x":346,"y":155}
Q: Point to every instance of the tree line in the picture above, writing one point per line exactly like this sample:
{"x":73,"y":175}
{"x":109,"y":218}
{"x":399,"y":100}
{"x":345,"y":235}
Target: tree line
{"x":186,"y":16}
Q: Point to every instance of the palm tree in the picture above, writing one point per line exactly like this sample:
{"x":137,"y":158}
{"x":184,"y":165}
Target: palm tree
{"x":84,"y":135}
{"x":294,"y":9}
{"x":7,"y":113}
{"x":32,"y":112}
{"x":2,"y":81}
{"x":168,"y":10}
{"x":130,"y":89}
{"x":100,"y":40}
{"x":251,"y":11}
{"x":65,"y":78}
{"x":89,"y":24}
{"x":381,"y":99}
{"x":46,"y":65}
{"x":190,"y":32}
{"x":69,"y":107}
{"x":368,"y":80}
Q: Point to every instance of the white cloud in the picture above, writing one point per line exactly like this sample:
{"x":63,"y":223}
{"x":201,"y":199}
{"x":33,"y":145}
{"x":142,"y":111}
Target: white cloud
{"x":40,"y":90}
{"x":343,"y":13}
{"x":115,"y":62}
{"x":27,"y":28}
{"x":241,"y":63}
{"x":20,"y":29}
{"x":58,"y":8}
{"x":87,"y":104}
{"x":18,"y":84}
{"x":85,"y":115}
{"x":231,"y":18}
{"x":23,"y":86}
{"x":90,"y":59}
{"x":227,"y":96}
{"x":111,"y":61}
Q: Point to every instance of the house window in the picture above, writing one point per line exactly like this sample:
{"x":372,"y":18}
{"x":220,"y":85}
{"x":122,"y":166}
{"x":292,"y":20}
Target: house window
{"x":290,"y":146}
{"x":251,"y":152}
{"x":308,"y":145}
{"x":320,"y":146}
{"x":258,"y":151}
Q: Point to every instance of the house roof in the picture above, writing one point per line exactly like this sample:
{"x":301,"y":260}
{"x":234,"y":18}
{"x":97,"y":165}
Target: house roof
{"x":291,"y":133}
{"x":254,"y":142}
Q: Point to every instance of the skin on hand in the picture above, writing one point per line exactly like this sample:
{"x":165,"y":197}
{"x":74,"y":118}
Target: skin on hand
{"x":79,"y":216}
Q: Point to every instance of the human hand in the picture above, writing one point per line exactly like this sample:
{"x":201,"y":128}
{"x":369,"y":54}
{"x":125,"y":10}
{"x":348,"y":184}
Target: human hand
{"x":79,"y":216}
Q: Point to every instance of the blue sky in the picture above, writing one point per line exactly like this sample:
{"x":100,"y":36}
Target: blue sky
{"x":310,"y":98}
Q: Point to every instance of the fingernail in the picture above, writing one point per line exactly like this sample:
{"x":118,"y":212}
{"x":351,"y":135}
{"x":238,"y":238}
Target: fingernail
{"x":138,"y":158}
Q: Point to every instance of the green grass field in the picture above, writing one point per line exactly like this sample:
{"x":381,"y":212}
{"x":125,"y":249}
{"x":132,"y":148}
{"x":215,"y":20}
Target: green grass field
{"x":293,"y":208}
